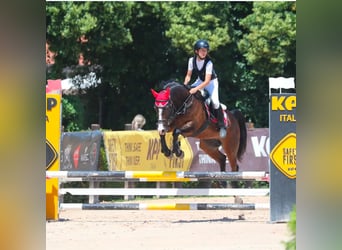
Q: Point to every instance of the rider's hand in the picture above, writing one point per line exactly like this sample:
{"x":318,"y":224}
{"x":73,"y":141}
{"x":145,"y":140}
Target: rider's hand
{"x":193,"y":90}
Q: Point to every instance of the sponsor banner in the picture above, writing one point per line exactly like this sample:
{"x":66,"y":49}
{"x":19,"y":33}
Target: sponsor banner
{"x":283,"y":130}
{"x":283,"y":167}
{"x":255,"y":158}
{"x":257,"y":153}
{"x":53,"y":130}
{"x":80,"y":151}
{"x":53,"y":139}
{"x":140,"y":150}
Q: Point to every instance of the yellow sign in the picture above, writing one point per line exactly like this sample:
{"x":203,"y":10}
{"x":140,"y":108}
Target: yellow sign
{"x":284,"y":102}
{"x":283,"y":156}
{"x":141,"y":151}
{"x":53,"y":135}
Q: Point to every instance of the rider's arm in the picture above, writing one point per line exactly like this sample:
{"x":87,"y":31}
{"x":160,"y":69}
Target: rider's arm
{"x":202,"y":85}
{"x":207,"y":79}
{"x":187,"y":77}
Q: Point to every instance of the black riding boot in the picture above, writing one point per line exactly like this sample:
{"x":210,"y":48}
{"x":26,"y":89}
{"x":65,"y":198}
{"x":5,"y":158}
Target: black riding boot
{"x":220,"y":122}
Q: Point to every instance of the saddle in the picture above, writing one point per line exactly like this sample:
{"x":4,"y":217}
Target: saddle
{"x":203,"y":95}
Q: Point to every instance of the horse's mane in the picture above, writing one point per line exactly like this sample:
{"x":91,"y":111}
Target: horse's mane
{"x":170,"y":83}
{"x":173,"y":83}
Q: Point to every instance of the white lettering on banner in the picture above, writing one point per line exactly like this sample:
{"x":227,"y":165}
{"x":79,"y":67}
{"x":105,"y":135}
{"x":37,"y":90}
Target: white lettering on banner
{"x":261,"y":148}
{"x":197,"y":145}
{"x":205,"y":159}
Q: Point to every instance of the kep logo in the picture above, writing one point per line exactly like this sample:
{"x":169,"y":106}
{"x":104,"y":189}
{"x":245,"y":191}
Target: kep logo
{"x":283,"y":102}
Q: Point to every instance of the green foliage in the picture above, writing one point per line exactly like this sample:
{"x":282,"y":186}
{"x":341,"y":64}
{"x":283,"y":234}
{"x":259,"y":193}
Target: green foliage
{"x":133,"y":46}
{"x":101,"y":24}
{"x":69,"y":116}
{"x":103,"y":164}
{"x":190,"y":21}
{"x":269,"y":44}
{"x":292,"y":225}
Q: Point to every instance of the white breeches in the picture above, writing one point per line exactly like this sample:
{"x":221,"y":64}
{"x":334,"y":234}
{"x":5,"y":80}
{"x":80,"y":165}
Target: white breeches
{"x":212,"y":89}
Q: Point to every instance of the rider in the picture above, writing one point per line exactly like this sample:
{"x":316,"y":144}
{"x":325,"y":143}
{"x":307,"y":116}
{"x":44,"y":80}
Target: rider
{"x":203,"y":68}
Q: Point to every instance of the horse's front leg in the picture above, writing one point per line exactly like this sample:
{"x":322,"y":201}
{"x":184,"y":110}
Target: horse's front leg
{"x":164,"y":149}
{"x":176,"y":144}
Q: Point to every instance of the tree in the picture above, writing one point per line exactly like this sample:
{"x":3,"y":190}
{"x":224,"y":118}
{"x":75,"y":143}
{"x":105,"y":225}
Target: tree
{"x":91,"y":30}
{"x":190,"y":21}
{"x":129,"y":47}
{"x":269,"y":45}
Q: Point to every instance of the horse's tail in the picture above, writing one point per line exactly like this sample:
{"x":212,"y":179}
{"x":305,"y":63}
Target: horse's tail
{"x":243,"y":132}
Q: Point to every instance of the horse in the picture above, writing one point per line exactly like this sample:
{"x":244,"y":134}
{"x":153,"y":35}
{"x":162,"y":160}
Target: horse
{"x":190,"y":115}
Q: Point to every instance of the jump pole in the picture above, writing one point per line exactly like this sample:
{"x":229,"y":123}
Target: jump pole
{"x":156,"y":175}
{"x":165,"y":206}
{"x":167,"y":191}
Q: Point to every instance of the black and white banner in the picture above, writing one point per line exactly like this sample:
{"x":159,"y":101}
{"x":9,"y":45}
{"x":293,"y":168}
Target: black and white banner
{"x":80,"y":151}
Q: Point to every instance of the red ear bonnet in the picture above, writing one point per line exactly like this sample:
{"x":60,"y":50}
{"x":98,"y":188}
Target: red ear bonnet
{"x":161,"y":98}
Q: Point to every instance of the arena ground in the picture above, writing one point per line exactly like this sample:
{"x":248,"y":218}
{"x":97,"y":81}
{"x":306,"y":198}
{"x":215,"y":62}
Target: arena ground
{"x":168,"y":230}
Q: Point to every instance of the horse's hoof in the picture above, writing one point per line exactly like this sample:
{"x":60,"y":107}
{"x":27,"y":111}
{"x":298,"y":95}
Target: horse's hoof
{"x":180,"y":154}
{"x":167,"y":153}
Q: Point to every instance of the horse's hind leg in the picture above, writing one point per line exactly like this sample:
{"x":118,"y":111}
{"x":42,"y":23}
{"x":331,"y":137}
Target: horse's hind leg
{"x":211,"y":147}
{"x":230,"y":146}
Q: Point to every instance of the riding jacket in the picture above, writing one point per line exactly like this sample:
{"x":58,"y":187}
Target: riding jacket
{"x":202,"y":72}
{"x":207,"y":68}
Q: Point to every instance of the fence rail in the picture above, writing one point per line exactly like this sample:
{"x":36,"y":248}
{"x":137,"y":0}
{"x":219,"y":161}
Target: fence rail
{"x":167,"y":206}
{"x":156,"y":175}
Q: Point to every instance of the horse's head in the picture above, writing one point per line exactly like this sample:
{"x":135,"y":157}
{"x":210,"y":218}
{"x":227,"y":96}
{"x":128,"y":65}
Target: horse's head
{"x":164,"y":108}
{"x":172,"y":101}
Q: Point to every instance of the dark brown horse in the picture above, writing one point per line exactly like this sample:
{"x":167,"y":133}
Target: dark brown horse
{"x":185,"y":114}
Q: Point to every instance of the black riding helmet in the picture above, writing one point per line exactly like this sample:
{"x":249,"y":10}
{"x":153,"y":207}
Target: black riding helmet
{"x":201,"y":44}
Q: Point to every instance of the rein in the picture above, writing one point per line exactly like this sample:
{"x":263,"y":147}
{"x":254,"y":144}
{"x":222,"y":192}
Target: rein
{"x":182,"y":110}
{"x":163,"y":102}
{"x":185,"y":105}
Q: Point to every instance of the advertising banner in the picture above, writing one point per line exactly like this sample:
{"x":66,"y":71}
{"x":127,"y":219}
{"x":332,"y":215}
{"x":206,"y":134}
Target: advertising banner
{"x":255,"y":158}
{"x":140,"y":150}
{"x":53,"y":139}
{"x":80,"y":151}
{"x":283,"y":167}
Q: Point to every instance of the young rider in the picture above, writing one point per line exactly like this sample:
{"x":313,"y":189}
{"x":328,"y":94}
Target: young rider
{"x":203,"y":68}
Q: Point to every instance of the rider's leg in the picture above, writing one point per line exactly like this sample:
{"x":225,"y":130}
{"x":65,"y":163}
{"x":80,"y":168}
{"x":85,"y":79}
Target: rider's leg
{"x":220,"y":121}
{"x":218,"y":109}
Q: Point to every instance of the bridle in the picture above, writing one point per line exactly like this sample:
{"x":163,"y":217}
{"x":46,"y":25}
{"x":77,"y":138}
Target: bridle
{"x":163,"y":102}
{"x":174,"y":112}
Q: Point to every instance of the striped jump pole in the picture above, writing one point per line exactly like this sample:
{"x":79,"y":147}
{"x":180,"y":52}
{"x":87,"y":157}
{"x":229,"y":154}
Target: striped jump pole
{"x":183,"y":176}
{"x":167,"y":191}
{"x":167,"y":206}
